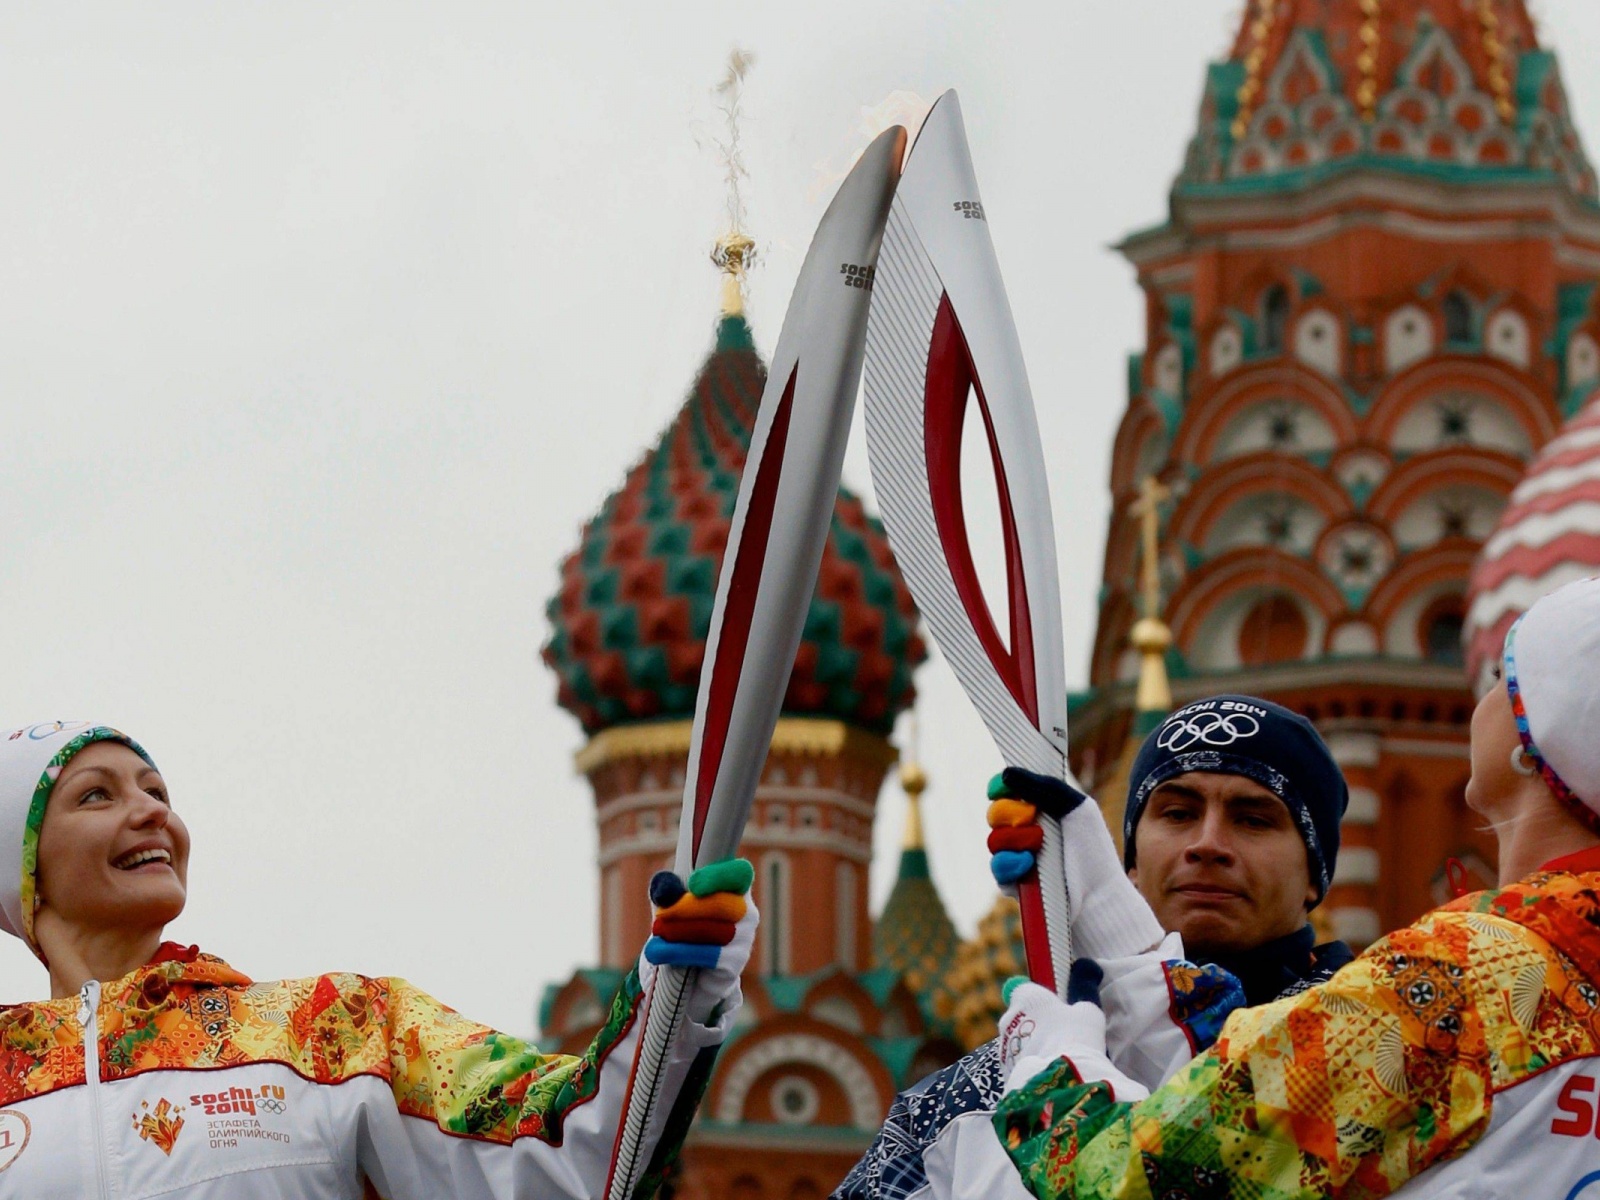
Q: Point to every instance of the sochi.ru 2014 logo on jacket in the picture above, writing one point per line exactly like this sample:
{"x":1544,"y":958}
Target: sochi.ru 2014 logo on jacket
{"x":238,"y":1101}
{"x":234,"y":1117}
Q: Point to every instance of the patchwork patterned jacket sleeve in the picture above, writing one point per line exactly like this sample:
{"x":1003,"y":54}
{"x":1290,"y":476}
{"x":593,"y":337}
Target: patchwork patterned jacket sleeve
{"x":480,"y":1115}
{"x":1350,"y":1089}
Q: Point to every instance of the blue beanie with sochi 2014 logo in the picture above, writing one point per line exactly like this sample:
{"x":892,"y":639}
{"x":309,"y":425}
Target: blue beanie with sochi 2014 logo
{"x":1262,"y":741}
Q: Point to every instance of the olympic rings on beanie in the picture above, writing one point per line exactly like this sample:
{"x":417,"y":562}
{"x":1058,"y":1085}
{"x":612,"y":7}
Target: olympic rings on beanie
{"x":1261,"y":741}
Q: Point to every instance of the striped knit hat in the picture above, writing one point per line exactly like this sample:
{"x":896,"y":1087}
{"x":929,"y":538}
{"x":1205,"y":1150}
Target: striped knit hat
{"x":1552,"y":672}
{"x":31,"y":759}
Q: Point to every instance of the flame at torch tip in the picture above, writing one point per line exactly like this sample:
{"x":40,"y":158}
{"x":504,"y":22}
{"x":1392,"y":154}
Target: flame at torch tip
{"x":899,"y":107}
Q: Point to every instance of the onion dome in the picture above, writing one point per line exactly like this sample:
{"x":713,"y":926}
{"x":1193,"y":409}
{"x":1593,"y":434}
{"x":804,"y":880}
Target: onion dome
{"x":1548,"y":536}
{"x":1433,"y":87}
{"x":914,"y":936}
{"x":629,"y":623}
{"x":981,"y":968}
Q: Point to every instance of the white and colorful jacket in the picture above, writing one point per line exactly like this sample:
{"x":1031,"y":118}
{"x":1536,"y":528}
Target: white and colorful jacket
{"x":187,"y":1080}
{"x":1459,"y":1057}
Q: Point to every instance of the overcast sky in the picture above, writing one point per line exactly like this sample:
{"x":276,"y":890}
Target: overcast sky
{"x":326,"y":326}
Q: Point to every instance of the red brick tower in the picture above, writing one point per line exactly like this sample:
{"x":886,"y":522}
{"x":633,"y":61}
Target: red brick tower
{"x":1365,"y":312}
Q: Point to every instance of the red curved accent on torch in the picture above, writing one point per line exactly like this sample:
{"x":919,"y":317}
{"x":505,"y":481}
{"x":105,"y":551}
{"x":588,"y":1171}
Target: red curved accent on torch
{"x":1035,"y":932}
{"x":951,"y":376}
{"x":740,"y":608}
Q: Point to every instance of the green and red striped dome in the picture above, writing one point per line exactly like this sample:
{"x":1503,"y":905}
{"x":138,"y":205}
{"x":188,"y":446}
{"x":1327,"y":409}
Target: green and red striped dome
{"x":630,"y":621}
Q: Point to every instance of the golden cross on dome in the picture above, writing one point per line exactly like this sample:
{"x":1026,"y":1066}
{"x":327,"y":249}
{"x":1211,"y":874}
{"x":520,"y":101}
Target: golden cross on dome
{"x":1150,"y":636}
{"x":1152,"y":495}
{"x":735,"y":251}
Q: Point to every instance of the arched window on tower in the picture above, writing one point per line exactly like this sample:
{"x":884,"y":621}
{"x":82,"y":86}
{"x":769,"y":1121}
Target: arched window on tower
{"x":1439,"y":631}
{"x":1273,"y":631}
{"x":774,"y":902}
{"x":1457,"y":318}
{"x":1274,"y":318}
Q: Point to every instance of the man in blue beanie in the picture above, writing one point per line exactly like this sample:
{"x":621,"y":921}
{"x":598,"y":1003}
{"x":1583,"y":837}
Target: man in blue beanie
{"x":1231,"y":833}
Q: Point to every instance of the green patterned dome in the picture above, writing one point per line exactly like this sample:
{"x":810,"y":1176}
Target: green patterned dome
{"x":914,"y":935}
{"x":628,"y":627}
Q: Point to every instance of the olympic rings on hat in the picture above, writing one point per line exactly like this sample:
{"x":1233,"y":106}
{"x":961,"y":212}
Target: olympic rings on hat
{"x":1207,"y":728}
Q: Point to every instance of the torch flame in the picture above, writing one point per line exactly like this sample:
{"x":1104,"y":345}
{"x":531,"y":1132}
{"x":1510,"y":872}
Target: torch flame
{"x":899,"y":107}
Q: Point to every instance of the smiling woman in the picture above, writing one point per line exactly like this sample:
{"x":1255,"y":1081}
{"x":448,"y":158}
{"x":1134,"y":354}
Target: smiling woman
{"x":113,"y":866}
{"x":337,"y":1086}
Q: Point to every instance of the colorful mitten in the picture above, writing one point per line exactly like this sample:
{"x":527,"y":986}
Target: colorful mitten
{"x":1109,"y":918}
{"x":1016,"y":797}
{"x":698,"y":924}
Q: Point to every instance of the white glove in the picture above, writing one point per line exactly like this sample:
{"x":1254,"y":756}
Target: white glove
{"x":1038,"y":1028}
{"x":717,"y":989}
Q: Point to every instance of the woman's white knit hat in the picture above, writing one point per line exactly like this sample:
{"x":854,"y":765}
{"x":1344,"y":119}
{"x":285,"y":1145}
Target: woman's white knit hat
{"x":1552,"y":669}
{"x":31,"y":759}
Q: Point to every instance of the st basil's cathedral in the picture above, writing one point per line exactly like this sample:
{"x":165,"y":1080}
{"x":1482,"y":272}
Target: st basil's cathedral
{"x":1362,"y":436}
